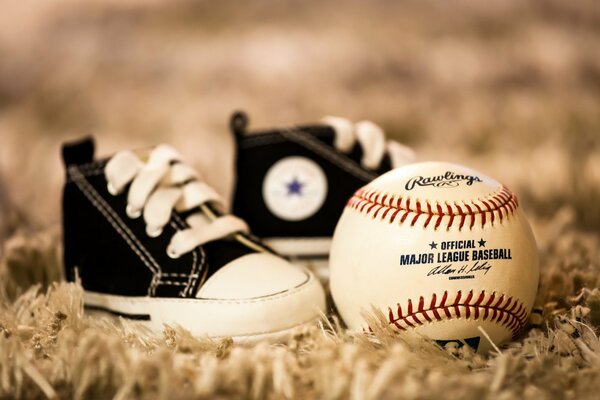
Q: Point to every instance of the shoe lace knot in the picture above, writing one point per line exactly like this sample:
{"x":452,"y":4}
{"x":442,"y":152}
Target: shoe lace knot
{"x":161,"y":183}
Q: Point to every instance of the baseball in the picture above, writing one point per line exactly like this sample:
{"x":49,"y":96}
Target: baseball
{"x":444,"y":251}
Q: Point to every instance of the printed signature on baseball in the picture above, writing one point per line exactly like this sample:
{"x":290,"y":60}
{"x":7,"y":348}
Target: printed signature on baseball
{"x":466,"y":270}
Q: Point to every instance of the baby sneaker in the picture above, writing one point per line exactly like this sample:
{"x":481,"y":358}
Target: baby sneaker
{"x":149,"y":241}
{"x":293,"y":183}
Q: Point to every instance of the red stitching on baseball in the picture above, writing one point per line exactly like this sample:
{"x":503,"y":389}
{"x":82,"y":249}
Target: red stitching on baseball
{"x":510,"y":314}
{"x":387,"y":209}
{"x":404,"y":216}
{"x":503,"y":203}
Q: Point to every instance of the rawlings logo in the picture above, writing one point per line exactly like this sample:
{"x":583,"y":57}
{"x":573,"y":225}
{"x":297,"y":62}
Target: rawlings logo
{"x":449,"y":179}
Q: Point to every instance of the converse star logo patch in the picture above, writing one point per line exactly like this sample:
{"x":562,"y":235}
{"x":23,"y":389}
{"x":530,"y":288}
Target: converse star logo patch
{"x":294,"y":188}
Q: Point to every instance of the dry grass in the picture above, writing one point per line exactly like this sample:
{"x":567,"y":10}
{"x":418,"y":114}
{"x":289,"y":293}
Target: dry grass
{"x":509,"y":87}
{"x":48,"y":347}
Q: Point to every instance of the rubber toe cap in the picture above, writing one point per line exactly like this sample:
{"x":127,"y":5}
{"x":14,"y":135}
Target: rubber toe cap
{"x":259,"y":295}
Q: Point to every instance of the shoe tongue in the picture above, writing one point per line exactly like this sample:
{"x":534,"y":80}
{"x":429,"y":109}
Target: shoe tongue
{"x":203,"y":214}
{"x":199,"y":219}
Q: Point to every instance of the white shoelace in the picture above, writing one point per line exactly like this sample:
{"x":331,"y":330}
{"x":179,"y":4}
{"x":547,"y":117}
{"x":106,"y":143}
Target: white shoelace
{"x":162,"y":183}
{"x":372,"y":140}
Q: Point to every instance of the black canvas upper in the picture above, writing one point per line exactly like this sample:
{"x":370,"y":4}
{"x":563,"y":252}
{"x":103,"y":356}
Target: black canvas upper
{"x":112,"y":252}
{"x":258,"y":151}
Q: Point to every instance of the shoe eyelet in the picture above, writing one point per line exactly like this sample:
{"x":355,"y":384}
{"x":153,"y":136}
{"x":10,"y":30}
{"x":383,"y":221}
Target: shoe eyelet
{"x":132,"y":212}
{"x":171,"y":253}
{"x":154,"y":232}
{"x":111,"y":189}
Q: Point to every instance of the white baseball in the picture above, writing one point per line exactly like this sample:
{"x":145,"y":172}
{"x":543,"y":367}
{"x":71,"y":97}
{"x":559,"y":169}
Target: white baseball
{"x":442,"y":249}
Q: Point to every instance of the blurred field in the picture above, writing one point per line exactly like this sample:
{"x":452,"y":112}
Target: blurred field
{"x":509,"y":87}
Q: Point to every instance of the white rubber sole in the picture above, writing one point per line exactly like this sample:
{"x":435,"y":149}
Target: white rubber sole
{"x":271,"y":337}
{"x":272,"y":318}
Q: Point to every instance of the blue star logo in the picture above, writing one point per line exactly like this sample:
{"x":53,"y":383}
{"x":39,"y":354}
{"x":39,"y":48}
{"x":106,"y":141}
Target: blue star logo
{"x":433,"y":245}
{"x":482,"y":243}
{"x":294,"y":187}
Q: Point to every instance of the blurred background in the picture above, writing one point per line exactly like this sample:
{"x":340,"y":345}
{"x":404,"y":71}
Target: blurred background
{"x":509,"y":87}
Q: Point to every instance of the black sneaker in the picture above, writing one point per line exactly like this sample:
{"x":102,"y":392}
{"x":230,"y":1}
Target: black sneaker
{"x":149,"y":242}
{"x":293,"y":183}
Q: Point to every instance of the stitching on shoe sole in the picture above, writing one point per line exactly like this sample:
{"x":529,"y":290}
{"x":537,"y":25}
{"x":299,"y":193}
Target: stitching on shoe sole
{"x":306,"y":284}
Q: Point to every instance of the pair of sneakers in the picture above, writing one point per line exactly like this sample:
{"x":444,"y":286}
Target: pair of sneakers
{"x":150,"y":241}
